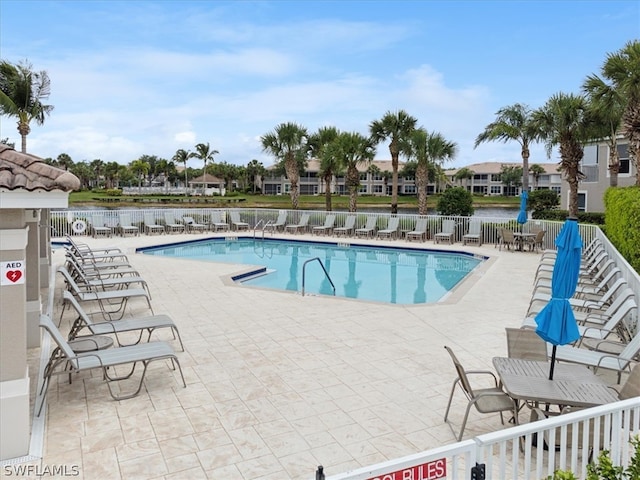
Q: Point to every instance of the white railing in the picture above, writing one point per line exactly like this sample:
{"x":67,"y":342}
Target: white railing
{"x":62,"y":221}
{"x":532,"y":451}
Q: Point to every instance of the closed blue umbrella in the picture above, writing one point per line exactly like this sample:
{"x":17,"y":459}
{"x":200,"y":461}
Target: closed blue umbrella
{"x":556,"y":322}
{"x":522,"y":215}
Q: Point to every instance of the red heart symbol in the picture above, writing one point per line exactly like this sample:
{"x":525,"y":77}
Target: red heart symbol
{"x":14,"y":275}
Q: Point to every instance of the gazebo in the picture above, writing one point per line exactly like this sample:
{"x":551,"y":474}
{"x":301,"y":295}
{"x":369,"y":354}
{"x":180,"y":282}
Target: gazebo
{"x":29,"y":188}
{"x":206,"y":182}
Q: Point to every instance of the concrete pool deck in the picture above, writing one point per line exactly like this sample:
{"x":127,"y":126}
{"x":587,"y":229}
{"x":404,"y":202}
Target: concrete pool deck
{"x":278,"y":383}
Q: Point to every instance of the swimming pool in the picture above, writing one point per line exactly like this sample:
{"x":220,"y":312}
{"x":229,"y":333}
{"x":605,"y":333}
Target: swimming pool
{"x":393,"y":275}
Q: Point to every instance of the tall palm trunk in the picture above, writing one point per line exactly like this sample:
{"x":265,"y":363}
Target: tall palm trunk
{"x":291,"y":168}
{"x":571,"y":153}
{"x":353,"y":181}
{"x":422,"y":179}
{"x":24,"y":129}
{"x":525,"y":167}
{"x":630,"y":122}
{"x":614,"y":164}
{"x":327,"y":192}
{"x":395,"y":153}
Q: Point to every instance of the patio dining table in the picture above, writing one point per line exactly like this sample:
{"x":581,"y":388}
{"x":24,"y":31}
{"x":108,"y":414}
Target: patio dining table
{"x":572,"y":385}
{"x":522,"y":238}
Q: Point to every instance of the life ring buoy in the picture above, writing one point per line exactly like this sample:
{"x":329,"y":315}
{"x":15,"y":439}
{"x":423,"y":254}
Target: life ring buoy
{"x":79,"y":226}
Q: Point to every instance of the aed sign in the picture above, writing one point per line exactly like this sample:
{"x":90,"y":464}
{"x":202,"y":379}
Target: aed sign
{"x":12,"y":272}
{"x":426,"y":471}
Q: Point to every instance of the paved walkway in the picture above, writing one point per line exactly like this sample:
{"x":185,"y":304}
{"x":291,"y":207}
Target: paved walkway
{"x":279,"y":383}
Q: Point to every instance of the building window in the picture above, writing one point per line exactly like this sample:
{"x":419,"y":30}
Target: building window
{"x":590,"y":155}
{"x":495,"y":177}
{"x":363,"y":189}
{"x":377,"y":189}
{"x":377,"y":177}
{"x":623,"y":155}
{"x":409,"y":189}
{"x":556,"y":189}
{"x":363,"y":176}
{"x":582,"y":202}
{"x":496,"y":189}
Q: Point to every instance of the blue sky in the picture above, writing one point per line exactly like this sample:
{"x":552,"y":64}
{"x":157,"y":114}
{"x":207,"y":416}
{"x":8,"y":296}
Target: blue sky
{"x":149,"y":77}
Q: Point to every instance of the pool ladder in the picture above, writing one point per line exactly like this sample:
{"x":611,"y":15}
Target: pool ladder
{"x":263,"y":228}
{"x":304,"y":267}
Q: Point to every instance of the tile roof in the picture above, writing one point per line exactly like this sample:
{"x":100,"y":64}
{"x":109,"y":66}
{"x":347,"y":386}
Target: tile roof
{"x":496,"y":167}
{"x":22,"y":171}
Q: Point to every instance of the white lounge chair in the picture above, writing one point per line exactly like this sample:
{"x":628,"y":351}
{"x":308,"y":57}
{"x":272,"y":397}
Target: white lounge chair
{"x":369,"y":229}
{"x":125,"y":226}
{"x":150,"y":225}
{"x":419,"y":232}
{"x":216,"y":222}
{"x":171,"y":225}
{"x":475,"y":232}
{"x":236,"y":223}
{"x":65,"y":361}
{"x":348,"y":228}
{"x":447,"y":233}
{"x":392,"y":228}
{"x":192,"y":226}
{"x":303,"y":225}
{"x":327,"y":228}
{"x":280,"y":222}
{"x":134,"y":324}
{"x":98,"y":226}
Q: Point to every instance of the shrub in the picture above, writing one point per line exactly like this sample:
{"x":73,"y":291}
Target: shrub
{"x":456,"y":201}
{"x":623,"y":222}
{"x":596,"y":218}
{"x":543,"y":200}
{"x":113,"y":192}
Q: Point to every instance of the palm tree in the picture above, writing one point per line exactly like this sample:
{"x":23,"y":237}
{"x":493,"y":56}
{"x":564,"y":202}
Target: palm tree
{"x":513,"y":123}
{"x":97,"y":167}
{"x":397,"y":128}
{"x":289,"y":144}
{"x":182,"y":156}
{"x":21,"y":94}
{"x":353,"y":149}
{"x":564,"y":121}
{"x":204,"y":153}
{"x":111,"y":172}
{"x":536,"y":171}
{"x":64,"y":161}
{"x":622,"y":69}
{"x":428,"y":148}
{"x":254,"y":170}
{"x":463,"y":174}
{"x":319,"y":147}
{"x":140,"y":168}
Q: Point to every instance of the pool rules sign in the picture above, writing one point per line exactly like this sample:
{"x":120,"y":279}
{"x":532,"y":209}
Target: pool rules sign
{"x":12,"y":272}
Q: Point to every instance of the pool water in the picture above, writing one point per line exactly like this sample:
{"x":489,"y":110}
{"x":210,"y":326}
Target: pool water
{"x":392,"y":275}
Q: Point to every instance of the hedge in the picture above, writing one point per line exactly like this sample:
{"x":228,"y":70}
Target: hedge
{"x":622,"y":222}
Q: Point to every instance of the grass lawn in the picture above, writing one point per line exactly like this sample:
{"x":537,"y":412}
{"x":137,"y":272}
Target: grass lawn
{"x":307,"y":202}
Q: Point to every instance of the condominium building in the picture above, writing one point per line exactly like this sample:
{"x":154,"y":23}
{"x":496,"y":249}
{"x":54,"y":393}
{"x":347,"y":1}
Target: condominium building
{"x":486,"y":179}
{"x":595,"y":168}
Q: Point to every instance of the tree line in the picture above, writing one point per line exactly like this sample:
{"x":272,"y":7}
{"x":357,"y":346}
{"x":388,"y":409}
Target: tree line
{"x":607,"y":108}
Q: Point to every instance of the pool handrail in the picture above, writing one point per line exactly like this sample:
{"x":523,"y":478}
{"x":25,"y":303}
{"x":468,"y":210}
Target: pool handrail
{"x":304,"y":268}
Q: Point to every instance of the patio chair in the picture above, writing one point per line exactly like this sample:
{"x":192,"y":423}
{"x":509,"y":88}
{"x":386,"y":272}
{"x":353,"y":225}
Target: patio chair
{"x":419,"y":232}
{"x":526,"y":344}
{"x":92,"y":278}
{"x":327,"y":228}
{"x":507,"y":239}
{"x":369,"y":228}
{"x":192,"y":226}
{"x":303,"y":225}
{"x":392,"y":228}
{"x":111,"y":302}
{"x":348,"y":227}
{"x":447,"y":232}
{"x":631,"y":386}
{"x":236,"y":223}
{"x":280,"y":223}
{"x":216,"y":223}
{"x":125,"y":226}
{"x":171,"y":225}
{"x":602,"y":356}
{"x":536,"y":243}
{"x":150,"y":225}
{"x":141,"y":325}
{"x":485,"y":400}
{"x":72,"y":362}
{"x":475,"y":232}
{"x":97,"y":226}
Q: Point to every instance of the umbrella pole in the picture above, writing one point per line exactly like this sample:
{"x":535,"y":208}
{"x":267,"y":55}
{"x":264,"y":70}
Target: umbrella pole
{"x":553,"y":362}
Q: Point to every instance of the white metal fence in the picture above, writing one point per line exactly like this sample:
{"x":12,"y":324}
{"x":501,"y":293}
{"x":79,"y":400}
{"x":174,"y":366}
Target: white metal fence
{"x":62,"y":221}
{"x":532,"y":451}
